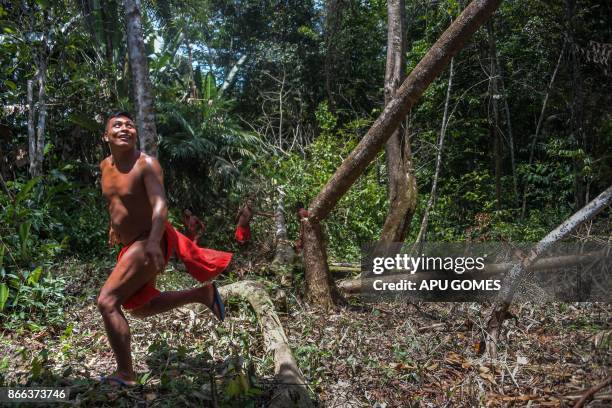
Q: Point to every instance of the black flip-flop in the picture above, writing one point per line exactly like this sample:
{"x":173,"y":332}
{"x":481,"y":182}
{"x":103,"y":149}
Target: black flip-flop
{"x":219,"y":302}
{"x":116,"y":381}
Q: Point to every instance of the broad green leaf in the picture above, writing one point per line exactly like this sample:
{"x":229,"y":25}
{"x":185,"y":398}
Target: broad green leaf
{"x":26,"y":189}
{"x":4,"y":292}
{"x":34,"y":275}
{"x":10,"y":84}
{"x":210,"y":86}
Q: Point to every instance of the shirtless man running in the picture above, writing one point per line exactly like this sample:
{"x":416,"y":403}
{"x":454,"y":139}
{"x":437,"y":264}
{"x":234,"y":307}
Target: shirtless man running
{"x":132,"y":183}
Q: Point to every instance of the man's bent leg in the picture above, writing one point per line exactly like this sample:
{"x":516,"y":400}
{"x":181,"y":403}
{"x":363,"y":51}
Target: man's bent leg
{"x":173,"y":299}
{"x":129,"y":275}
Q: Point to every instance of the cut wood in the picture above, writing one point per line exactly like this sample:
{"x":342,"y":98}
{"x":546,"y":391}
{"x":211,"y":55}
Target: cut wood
{"x":292,"y":390}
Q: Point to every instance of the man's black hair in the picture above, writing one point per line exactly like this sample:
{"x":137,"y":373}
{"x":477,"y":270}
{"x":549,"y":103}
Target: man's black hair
{"x":299,"y":205}
{"x":117,"y":114}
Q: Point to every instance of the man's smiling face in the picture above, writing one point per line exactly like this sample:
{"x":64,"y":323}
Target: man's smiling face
{"x":120,"y":132}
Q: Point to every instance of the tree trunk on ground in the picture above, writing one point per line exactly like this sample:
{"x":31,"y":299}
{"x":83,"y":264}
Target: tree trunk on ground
{"x":436,"y":59}
{"x":494,"y":121}
{"x":143,"y":92}
{"x":516,"y":274}
{"x":434,"y":186}
{"x":402,"y":183}
{"x":292,"y":390}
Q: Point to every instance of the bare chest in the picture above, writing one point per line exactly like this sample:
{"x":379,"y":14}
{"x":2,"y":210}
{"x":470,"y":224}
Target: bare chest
{"x":125,"y":186}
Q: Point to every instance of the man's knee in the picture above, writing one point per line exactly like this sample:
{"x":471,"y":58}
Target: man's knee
{"x":107,"y":303}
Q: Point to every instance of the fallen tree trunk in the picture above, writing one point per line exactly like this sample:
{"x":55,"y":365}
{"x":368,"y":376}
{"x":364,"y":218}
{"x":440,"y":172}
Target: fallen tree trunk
{"x":517,"y":273}
{"x":354,"y":285}
{"x":292,"y":390}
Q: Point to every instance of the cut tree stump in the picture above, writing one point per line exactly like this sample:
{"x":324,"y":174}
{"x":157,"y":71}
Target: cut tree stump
{"x":292,"y":390}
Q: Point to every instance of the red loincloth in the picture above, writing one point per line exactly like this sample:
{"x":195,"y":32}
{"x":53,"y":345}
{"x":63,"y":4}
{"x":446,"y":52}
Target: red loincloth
{"x":243,"y":234}
{"x":201,"y":263}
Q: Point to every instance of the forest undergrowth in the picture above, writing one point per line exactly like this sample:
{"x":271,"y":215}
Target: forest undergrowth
{"x":390,"y":354}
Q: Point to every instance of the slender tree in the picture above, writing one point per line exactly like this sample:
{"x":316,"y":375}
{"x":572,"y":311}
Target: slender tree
{"x":319,"y":282}
{"x":143,"y":92}
{"x":402,"y":183}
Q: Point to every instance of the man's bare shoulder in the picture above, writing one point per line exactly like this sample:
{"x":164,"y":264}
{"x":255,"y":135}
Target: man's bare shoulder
{"x":147,"y":162}
{"x":105,"y":163}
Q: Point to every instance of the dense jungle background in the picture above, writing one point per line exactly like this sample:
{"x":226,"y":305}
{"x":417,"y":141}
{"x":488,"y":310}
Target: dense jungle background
{"x":266,"y":99}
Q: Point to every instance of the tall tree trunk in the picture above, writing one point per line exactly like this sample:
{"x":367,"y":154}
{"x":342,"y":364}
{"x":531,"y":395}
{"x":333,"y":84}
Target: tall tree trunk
{"x":577,"y":106}
{"x":494,"y":121}
{"x":436,"y":59}
{"x":434,"y":186}
{"x":143,"y":92}
{"x":42,"y":114}
{"x":333,"y":23}
{"x":31,"y":129}
{"x":106,"y":10}
{"x":229,"y":80}
{"x":515,"y":276}
{"x":539,"y":125}
{"x":402,"y":183}
{"x":37,"y":114}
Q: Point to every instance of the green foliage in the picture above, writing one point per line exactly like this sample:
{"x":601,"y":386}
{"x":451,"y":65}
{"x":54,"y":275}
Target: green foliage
{"x":48,"y":216}
{"x":360,"y":213}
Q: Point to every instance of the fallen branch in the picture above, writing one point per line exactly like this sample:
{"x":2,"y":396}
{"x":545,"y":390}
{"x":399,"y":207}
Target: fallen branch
{"x":516,"y":274}
{"x":592,"y":391}
{"x":292,"y":390}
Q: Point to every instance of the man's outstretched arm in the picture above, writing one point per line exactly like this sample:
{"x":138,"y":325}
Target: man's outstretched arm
{"x":154,"y":184}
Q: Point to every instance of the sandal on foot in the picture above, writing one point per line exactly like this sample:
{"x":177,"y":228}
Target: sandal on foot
{"x":111,"y":380}
{"x":219,"y":302}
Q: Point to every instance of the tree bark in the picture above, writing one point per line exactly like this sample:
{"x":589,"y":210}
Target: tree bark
{"x":285,"y":254}
{"x":402,"y":183}
{"x":232,"y":74}
{"x":320,"y":287}
{"x":292,"y":389}
{"x":436,"y":59}
{"x":333,"y":24}
{"x":37,"y":117}
{"x":143,"y":92}
{"x":509,"y":126}
{"x":31,"y":130}
{"x":516,"y":274}
{"x":434,"y":186}
{"x":494,"y":121}
{"x":539,"y":126}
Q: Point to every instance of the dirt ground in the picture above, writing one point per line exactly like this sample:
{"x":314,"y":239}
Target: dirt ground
{"x":360,"y":355}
